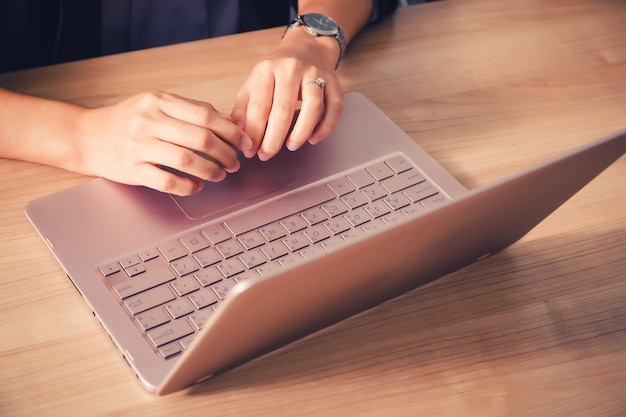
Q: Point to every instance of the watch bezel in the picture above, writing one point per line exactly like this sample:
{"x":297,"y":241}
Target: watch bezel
{"x":309,"y":22}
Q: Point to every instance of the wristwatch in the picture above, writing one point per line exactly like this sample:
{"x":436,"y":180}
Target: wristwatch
{"x":320,"y":25}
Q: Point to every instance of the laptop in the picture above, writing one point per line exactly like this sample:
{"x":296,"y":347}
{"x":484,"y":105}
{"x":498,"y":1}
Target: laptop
{"x":188,"y":287}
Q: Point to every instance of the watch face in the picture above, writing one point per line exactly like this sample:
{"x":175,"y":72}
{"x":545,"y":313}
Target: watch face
{"x":320,"y":24}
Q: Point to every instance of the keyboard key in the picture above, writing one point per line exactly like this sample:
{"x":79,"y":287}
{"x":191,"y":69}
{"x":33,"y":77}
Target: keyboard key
{"x":357,"y":217}
{"x":207,"y":257}
{"x":231,"y":267}
{"x":399,"y":164}
{"x":374,"y":192}
{"x":296,"y":242}
{"x":337,"y":226}
{"x":229,"y":249}
{"x":334,"y":208}
{"x":130,"y":261}
{"x":377,"y":209}
{"x":402,"y":181}
{"x":185,"y":342}
{"x":170,"y":350}
{"x":110,"y":269}
{"x":203,"y":298}
{"x":354,"y":200}
{"x":251,"y":240}
{"x":394,"y":218}
{"x":216,"y":234}
{"x":194,"y":242}
{"x":148,"y":254}
{"x":293,"y":224}
{"x":167,"y":333}
{"x":185,"y":285}
{"x":199,"y":319}
{"x":147,"y":280}
{"x":333,"y":244}
{"x":149,"y":299}
{"x":434,"y":201}
{"x":179,"y":307}
{"x":420,"y":191}
{"x":290,"y":260}
{"x":317,"y":234}
{"x":311,"y":252}
{"x":246,"y":276}
{"x":152,"y":318}
{"x":341,"y":186}
{"x":353,"y":234}
{"x":373,"y":227}
{"x":269,"y":268}
{"x":172,"y":251}
{"x":272,"y":232}
{"x":222,"y":288}
{"x":413,"y":210}
{"x":135,"y":270}
{"x":361,"y":178}
{"x":252,"y":259}
{"x":274,"y":250}
{"x":314,"y":216}
{"x":397,"y":201}
{"x":184,"y":266}
{"x":208,"y":276}
{"x":380,"y":171}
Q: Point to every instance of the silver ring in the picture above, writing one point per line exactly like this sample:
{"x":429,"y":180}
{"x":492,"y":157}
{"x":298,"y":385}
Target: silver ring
{"x":319,"y":81}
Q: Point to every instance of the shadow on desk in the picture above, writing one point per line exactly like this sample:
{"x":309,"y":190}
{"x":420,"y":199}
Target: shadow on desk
{"x":535,"y":304}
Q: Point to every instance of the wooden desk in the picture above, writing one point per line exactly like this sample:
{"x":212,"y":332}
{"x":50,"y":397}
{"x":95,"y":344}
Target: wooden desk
{"x":488,"y":88}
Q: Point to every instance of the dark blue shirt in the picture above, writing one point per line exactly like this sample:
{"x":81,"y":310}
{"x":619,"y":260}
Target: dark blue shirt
{"x":43,"y":32}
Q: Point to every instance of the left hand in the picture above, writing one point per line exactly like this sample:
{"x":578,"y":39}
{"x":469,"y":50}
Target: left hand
{"x":266,"y":104}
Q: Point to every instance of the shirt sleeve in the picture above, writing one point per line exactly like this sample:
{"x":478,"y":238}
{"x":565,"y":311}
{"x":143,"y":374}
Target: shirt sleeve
{"x":381,"y":8}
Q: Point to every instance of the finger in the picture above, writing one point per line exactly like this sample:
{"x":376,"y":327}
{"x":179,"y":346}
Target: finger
{"x":191,"y":138}
{"x":238,"y":114}
{"x":280,"y":118}
{"x":311,"y":111}
{"x":154,"y":177}
{"x":206,"y":116}
{"x":183,"y":160}
{"x":259,"y":106}
{"x":332,"y":111}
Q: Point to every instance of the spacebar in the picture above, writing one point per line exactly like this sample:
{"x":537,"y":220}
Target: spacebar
{"x":280,"y":208}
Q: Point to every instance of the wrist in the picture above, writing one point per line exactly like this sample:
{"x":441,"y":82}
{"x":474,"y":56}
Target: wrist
{"x":299,"y":42}
{"x":322,"y":27}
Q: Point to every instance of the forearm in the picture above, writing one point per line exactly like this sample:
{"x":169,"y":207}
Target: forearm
{"x":39,"y":130}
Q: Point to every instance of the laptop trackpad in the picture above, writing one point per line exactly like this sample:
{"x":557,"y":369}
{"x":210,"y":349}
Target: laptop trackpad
{"x":254,"y":179}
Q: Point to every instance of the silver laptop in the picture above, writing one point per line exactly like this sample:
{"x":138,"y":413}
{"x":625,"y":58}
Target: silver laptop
{"x":190,"y":287}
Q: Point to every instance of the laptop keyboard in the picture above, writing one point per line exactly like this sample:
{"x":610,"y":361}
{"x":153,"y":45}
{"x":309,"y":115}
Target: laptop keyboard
{"x":170,"y":290}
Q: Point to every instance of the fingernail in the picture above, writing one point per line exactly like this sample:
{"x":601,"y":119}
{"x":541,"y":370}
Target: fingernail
{"x":246,"y":143}
{"x":235,"y":168}
{"x":292,"y":146}
{"x":197,"y":187}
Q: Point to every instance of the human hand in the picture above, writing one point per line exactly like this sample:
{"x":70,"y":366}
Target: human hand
{"x":132,"y":141}
{"x":268,"y":100}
